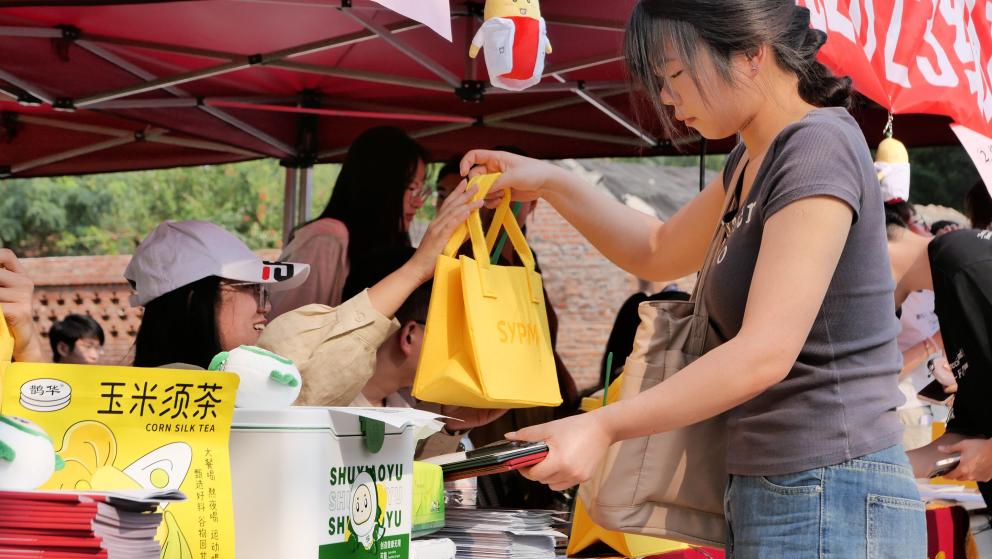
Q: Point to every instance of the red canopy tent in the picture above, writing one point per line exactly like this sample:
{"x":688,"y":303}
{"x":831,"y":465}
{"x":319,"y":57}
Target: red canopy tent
{"x":223,"y":80}
{"x":111,"y":86}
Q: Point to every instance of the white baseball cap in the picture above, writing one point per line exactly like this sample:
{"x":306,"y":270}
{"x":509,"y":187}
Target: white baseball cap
{"x":178,"y":253}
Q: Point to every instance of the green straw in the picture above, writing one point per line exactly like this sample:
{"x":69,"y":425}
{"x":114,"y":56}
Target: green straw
{"x":609,"y":372}
{"x":498,"y":249}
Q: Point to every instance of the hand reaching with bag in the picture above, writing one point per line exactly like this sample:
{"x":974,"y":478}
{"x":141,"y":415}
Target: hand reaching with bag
{"x":453,"y":213}
{"x":389,"y":294}
{"x":528,"y":178}
{"x":576,"y":446}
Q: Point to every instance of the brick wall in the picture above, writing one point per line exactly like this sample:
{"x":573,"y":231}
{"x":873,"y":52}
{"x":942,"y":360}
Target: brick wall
{"x":88,"y":285}
{"x":584,"y":287}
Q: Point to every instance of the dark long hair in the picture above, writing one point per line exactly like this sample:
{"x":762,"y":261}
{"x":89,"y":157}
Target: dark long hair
{"x":180,"y":327}
{"x":368,"y":195}
{"x":723,"y":28}
{"x":978,"y":206}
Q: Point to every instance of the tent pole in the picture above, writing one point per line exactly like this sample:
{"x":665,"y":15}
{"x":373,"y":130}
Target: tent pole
{"x":8,"y":93}
{"x":346,"y":113}
{"x":204,"y":145}
{"x":417,"y":134}
{"x":240,"y":62}
{"x":30,"y":32}
{"x":57,"y":157}
{"x":289,"y":205}
{"x":360,"y":75}
{"x":486,"y":120}
{"x":414,"y":54}
{"x":305,"y":195}
{"x":186,"y":101}
{"x":561,"y":86}
{"x":566,"y":67}
{"x":75,"y":126}
{"x":161,"y":83}
{"x":609,"y":111}
{"x":587,"y":23}
{"x":224,"y":117}
{"x":249,"y":129}
{"x":567,"y":133}
{"x":27,"y":86}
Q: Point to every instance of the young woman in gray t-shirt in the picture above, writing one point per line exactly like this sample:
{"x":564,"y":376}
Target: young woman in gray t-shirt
{"x":802,"y":295}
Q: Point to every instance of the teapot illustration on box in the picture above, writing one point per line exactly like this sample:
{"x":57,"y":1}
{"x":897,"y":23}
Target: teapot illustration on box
{"x":515,"y":38}
{"x":268,"y":381}
{"x":27,"y":457}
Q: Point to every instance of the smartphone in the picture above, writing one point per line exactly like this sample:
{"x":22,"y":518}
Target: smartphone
{"x":944,"y":466}
{"x":512,"y":447}
{"x":934,"y":392}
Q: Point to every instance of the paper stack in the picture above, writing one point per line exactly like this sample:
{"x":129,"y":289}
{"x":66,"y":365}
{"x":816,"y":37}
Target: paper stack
{"x":499,"y":534}
{"x":81,"y":525}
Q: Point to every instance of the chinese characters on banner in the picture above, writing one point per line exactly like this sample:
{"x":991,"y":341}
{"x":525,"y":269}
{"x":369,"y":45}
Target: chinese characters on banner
{"x":127,"y":428}
{"x":929,"y":56}
{"x":909,"y":56}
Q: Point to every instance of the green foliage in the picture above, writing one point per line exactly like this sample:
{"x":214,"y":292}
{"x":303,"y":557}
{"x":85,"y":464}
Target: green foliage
{"x":111,"y":213}
{"x":941,"y":175}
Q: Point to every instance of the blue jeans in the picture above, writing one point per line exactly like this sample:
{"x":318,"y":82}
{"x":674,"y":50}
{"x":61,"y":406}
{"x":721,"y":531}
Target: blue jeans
{"x":868,"y":508}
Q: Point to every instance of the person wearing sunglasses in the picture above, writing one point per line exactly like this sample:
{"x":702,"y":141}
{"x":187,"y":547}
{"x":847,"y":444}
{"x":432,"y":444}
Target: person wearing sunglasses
{"x":203,"y":292}
{"x":381,"y":186}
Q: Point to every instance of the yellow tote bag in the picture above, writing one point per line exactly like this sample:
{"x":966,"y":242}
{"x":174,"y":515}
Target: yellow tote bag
{"x":487,"y":342}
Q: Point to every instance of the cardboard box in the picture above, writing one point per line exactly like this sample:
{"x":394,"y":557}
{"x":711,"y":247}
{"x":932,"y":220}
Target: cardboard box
{"x":324,"y":482}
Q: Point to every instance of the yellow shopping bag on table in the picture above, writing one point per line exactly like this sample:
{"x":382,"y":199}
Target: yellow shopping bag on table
{"x":487,"y":342}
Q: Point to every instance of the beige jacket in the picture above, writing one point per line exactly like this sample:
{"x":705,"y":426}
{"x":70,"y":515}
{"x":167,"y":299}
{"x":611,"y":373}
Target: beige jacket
{"x":334,"y":347}
{"x":323,"y":245}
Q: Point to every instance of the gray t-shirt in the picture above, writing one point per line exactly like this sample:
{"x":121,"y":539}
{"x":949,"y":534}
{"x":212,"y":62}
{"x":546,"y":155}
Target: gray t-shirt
{"x":838,"y":401}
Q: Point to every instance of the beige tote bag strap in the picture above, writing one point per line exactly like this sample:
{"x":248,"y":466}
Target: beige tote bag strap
{"x":719,"y":236}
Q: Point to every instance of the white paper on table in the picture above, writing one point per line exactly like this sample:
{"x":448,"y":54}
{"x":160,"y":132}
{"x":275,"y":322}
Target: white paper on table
{"x":424,"y":423}
{"x":435,"y":14}
{"x":967,"y":497}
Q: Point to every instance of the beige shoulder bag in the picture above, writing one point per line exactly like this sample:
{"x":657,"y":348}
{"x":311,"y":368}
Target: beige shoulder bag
{"x":670,"y":484}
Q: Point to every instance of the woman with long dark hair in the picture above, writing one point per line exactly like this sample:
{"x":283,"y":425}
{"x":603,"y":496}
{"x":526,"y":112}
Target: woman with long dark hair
{"x":801,"y":293}
{"x":377,"y":194}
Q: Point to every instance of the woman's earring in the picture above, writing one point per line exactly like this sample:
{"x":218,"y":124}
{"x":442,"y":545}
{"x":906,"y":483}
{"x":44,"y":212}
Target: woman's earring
{"x":754,"y":65}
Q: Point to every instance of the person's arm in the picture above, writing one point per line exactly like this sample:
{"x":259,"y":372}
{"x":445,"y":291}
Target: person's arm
{"x":976,"y":459}
{"x":16,"y":289}
{"x":634,"y":241}
{"x":800,"y":248}
{"x":335,"y":348}
{"x":924,"y":459}
{"x":916,"y":355}
{"x":392,"y":291}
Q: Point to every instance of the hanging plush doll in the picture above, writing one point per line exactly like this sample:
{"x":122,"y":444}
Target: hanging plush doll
{"x":892,"y":166}
{"x":516,"y":40}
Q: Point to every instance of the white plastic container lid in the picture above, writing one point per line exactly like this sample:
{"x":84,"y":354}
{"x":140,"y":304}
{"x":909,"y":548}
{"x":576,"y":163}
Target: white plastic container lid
{"x":338,"y":421}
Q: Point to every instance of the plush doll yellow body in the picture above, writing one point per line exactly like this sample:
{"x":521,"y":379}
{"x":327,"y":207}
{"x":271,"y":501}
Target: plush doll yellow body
{"x":892,"y":167}
{"x":515,"y":38}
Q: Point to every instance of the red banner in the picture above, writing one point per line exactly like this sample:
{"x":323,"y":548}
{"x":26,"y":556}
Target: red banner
{"x":913,"y":56}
